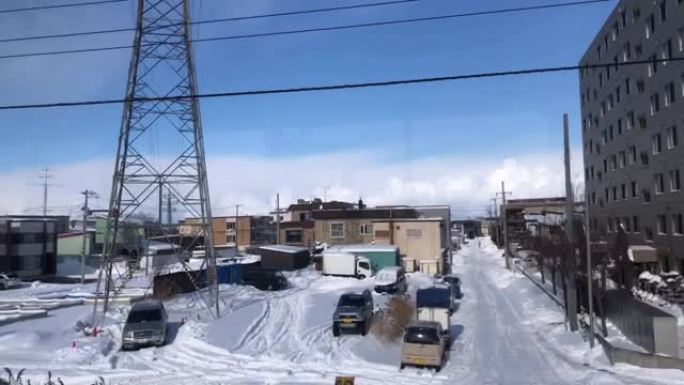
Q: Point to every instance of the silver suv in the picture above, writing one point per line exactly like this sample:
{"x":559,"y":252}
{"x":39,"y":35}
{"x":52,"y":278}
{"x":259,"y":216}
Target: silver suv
{"x":146,"y":325}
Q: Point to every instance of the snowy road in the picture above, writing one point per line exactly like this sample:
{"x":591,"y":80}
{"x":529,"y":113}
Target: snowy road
{"x":505,"y":332}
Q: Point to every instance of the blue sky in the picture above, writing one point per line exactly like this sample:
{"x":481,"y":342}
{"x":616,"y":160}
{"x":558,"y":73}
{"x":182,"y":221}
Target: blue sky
{"x":475,"y":119}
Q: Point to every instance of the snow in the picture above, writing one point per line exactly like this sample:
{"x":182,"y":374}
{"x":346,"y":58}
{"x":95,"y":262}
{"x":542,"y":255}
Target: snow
{"x":505,"y":331}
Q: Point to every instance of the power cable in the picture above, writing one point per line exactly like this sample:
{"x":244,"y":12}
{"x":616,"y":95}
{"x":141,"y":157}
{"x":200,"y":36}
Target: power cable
{"x":211,"y":21}
{"x":55,"y":6}
{"x":321,"y":29}
{"x":334,"y":87}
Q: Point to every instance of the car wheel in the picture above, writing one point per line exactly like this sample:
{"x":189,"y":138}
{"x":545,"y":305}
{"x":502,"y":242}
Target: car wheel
{"x":402,"y":366}
{"x":336,"y":329}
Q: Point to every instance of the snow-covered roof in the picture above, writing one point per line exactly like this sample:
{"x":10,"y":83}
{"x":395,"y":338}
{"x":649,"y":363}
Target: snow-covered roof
{"x":283,"y":248}
{"x":362,"y":248}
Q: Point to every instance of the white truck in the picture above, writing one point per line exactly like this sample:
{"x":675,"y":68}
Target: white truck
{"x":434,"y":304}
{"x":346,"y":265}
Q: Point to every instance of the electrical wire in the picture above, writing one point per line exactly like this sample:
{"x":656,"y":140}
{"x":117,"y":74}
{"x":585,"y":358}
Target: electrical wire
{"x":321,"y":29}
{"x":211,"y":21}
{"x":334,"y":87}
{"x":55,"y":6}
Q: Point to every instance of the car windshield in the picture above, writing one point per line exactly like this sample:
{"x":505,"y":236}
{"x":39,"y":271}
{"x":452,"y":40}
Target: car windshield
{"x":351,"y":301}
{"x":146,"y":315}
{"x":421,"y":335}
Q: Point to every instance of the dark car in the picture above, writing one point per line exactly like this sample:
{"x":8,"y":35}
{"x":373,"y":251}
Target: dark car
{"x":455,"y":282}
{"x":146,"y":325}
{"x":354,"y":313}
{"x":264,"y":279}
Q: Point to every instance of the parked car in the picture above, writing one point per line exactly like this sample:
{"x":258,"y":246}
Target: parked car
{"x":146,"y":325}
{"x":424,"y":345}
{"x":391,"y":280}
{"x":455,"y":282}
{"x":346,"y":265}
{"x":8,"y":281}
{"x":354,"y":313}
{"x":264,"y":279}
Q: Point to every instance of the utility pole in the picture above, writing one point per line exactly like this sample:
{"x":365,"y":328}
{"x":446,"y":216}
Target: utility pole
{"x":590,"y":275}
{"x":84,"y":246}
{"x":325,"y":195}
{"x":161,"y":203}
{"x":496,"y":215}
{"x":237,"y":208}
{"x":277,"y":218}
{"x":169,"y":209}
{"x":569,"y":232}
{"x":505,"y":225}
{"x":45,"y":177}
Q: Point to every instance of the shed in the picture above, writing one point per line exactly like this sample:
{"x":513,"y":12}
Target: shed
{"x":283,"y":257}
{"x":380,"y":256}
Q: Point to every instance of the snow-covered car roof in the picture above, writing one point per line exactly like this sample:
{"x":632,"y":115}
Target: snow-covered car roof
{"x":387,"y":275}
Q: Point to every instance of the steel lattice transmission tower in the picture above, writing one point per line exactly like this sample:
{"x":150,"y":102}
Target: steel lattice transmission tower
{"x":161,"y":149}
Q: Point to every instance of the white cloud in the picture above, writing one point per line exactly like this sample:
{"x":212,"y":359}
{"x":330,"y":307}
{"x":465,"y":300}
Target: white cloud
{"x":466,"y":183}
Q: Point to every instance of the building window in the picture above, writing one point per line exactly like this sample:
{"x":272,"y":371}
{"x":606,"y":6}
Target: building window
{"x":609,"y":225}
{"x":623,"y":159}
{"x":230,"y":239}
{"x":672,"y":138}
{"x":623,"y":191}
{"x":669,"y":94}
{"x":632,"y":155}
{"x":628,"y":86}
{"x":680,"y":39}
{"x":642,"y":121}
{"x":606,"y":194}
{"x":619,"y":126}
{"x":634,"y":187}
{"x":677,"y":224}
{"x":605,"y":165}
{"x":646,"y":195}
{"x":611,"y":133}
{"x":655,"y":103}
{"x":293,"y":236}
{"x":635,"y":224}
{"x":650,"y":26}
{"x":337,"y":230}
{"x":626,"y":52}
{"x":630,"y":120}
{"x":614,"y":195}
{"x":613,"y":162}
{"x":663,"y":11}
{"x":638,"y":51}
{"x":640,"y":86}
{"x":675,"y":183}
{"x":414,"y":233}
{"x":644,"y":159}
{"x":366,"y":229}
{"x":230,"y":225}
{"x":661,"y":224}
{"x":659,"y":183}
{"x":302,"y":217}
{"x":625,"y":224}
{"x":657,"y":144}
{"x":649,"y":234}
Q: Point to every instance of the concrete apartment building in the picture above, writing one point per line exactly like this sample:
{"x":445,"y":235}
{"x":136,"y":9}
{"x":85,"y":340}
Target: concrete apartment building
{"x":632,"y":122}
{"x":28,"y":244}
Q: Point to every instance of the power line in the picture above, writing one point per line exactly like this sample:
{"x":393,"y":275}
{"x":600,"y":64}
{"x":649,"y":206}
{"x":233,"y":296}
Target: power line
{"x":321,"y":29}
{"x":334,"y":87}
{"x":211,"y":21}
{"x":55,"y":6}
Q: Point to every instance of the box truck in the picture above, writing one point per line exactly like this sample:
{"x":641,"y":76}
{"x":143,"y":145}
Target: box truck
{"x":346,"y":265}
